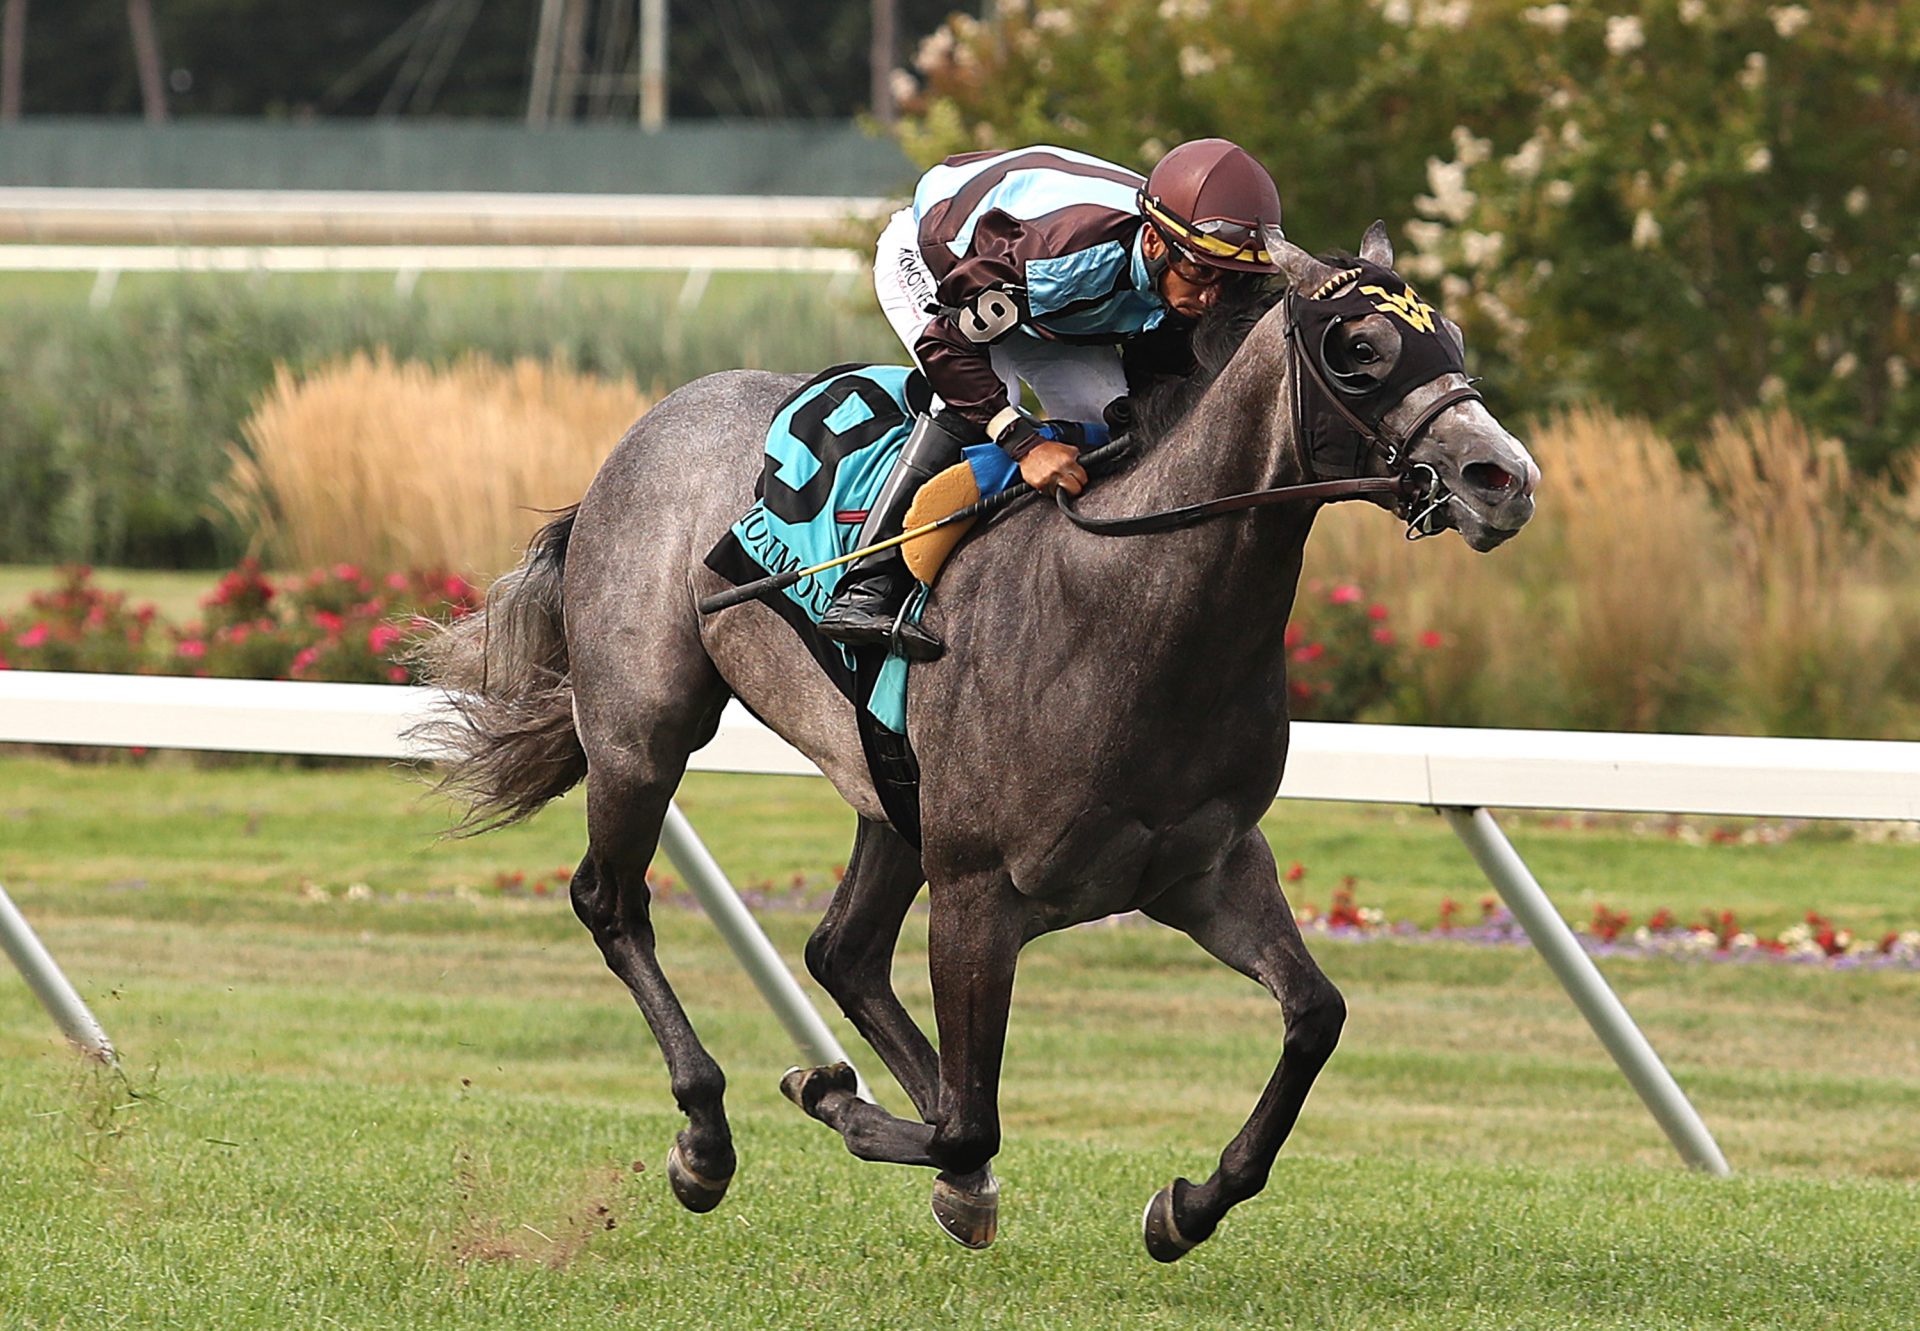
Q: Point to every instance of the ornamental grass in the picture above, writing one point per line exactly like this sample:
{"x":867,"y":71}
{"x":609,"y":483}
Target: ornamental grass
{"x":1769,"y":591}
{"x":390,"y":464}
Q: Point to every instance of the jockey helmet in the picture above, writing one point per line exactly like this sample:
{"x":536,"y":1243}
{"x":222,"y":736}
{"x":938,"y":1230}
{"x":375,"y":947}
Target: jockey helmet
{"x":1209,"y":199}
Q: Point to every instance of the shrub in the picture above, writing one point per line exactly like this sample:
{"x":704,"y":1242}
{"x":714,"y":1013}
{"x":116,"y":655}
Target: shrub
{"x":334,"y":624}
{"x":77,"y":626}
{"x":1345,"y":661}
{"x":402,"y":466}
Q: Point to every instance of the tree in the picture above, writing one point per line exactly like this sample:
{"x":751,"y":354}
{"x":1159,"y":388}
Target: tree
{"x":1675,"y":207}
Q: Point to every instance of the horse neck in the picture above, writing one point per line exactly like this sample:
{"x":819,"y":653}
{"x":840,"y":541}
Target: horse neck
{"x":1240,"y":435}
{"x":1226,"y":586}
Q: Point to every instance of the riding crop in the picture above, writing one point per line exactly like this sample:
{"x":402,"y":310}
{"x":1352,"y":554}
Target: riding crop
{"x":1007,"y":498}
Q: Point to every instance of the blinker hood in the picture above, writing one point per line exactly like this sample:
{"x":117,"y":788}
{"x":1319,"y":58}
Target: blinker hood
{"x":1428,"y":349}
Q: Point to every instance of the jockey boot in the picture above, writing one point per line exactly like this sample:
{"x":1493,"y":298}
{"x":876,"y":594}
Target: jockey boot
{"x":866,"y":605}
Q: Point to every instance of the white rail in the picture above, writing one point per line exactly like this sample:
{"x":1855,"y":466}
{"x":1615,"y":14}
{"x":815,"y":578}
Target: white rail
{"x":1433,"y":766}
{"x":35,"y":215}
{"x":426,"y":258}
{"x":1461,"y":772}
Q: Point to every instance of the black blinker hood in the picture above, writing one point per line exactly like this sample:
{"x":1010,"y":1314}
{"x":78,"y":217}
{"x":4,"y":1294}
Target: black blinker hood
{"x":1427,"y":351}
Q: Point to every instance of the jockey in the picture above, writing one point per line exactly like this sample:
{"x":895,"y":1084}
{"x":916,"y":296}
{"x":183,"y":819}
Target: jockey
{"x":1033,"y":266}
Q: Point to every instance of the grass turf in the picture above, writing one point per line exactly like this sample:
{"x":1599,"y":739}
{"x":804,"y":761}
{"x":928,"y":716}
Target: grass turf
{"x":421,"y":1105}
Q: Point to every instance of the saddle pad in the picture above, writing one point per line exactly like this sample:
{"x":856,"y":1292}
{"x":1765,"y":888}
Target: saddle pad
{"x":828,"y":452}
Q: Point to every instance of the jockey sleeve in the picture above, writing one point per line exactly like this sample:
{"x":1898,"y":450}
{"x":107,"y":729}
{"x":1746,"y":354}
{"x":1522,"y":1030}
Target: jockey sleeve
{"x":1038,"y":242}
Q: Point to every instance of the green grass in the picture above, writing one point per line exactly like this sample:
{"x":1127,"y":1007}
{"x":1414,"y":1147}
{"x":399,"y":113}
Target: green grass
{"x":407,"y":1107}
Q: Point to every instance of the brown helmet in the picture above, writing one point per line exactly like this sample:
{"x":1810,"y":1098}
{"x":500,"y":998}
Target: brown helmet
{"x":1209,"y":199}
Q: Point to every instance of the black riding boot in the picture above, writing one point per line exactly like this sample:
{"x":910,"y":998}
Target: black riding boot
{"x":867,"y":603}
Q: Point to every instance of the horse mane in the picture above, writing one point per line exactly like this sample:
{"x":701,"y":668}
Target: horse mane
{"x":1216,"y":338}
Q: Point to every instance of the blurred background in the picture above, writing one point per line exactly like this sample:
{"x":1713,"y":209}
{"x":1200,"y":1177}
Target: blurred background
{"x":346,"y":291}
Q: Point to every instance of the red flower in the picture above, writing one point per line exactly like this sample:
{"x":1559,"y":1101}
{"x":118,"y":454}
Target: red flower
{"x":34,"y":636}
{"x":1431,"y":638}
{"x":327,"y":620}
{"x":1296,"y":871}
{"x":1383,"y":636}
{"x":397,"y":674}
{"x":1376,"y":611}
{"x":382,"y":636}
{"x":1345,"y":594}
{"x":192,"y":648}
{"x":1313,"y":651}
{"x":1292,"y":637}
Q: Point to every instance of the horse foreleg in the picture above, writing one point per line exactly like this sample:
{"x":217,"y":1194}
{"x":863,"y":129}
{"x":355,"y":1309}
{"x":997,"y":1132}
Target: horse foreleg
{"x":974,"y":939}
{"x":1241,"y":916}
{"x":610,"y":896}
{"x":851,"y":955}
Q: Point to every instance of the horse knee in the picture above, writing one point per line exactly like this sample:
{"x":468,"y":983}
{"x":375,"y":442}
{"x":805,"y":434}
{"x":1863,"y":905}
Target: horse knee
{"x":837,"y":966}
{"x":1314,"y":1029}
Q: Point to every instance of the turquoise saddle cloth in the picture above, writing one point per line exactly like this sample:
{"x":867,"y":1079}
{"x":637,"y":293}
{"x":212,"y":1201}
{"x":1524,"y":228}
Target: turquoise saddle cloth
{"x":828,"y":452}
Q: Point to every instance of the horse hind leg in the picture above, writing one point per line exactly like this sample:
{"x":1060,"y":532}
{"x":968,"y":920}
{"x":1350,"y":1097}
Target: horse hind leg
{"x":629,"y":786}
{"x":1241,"y":916}
{"x":851,"y":956}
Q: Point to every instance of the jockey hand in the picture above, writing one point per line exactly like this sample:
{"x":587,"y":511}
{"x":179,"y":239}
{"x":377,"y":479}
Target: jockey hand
{"x":1048,"y":464}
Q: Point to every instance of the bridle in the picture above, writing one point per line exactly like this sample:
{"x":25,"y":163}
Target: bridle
{"x":1418,"y":493}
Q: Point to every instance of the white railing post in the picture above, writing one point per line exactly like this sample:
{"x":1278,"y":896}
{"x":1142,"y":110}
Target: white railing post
{"x":751,"y":946}
{"x":1582,"y":980}
{"x":49,"y":985}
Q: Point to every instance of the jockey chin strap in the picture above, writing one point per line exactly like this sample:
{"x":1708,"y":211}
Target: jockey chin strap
{"x":1417,"y":490}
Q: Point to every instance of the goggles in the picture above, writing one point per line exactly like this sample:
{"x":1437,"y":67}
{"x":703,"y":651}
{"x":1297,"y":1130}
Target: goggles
{"x":1217,"y":239}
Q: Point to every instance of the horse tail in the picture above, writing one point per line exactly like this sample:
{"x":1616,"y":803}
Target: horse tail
{"x":506,"y":730}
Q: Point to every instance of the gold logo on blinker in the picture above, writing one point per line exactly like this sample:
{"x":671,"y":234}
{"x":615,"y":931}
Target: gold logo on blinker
{"x":1408,"y":306}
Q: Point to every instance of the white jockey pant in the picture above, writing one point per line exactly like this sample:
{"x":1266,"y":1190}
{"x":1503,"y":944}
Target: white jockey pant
{"x":1073,"y":381}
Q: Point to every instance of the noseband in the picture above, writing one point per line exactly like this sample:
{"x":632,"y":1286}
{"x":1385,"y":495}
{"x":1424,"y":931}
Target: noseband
{"x":1417,"y":490}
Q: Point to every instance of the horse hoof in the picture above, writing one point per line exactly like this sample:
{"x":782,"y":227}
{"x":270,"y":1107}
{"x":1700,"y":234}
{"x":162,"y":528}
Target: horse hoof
{"x":968,"y":1206}
{"x":693,"y":1190}
{"x":806,"y":1086}
{"x":1165,"y":1242}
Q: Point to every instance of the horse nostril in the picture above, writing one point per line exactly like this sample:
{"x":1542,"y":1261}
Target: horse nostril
{"x":1488,"y":476}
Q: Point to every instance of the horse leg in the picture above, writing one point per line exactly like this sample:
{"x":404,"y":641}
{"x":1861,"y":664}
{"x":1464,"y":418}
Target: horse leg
{"x":1241,"y":916}
{"x":629,"y":786}
{"x":975,"y":935}
{"x":851,"y":956}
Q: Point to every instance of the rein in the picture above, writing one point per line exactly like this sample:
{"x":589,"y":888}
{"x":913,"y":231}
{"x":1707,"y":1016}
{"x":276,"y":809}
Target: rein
{"x":1414,"y":487}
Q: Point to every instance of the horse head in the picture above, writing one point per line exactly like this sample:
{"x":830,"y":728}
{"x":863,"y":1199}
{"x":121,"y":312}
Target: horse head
{"x":1385,"y":391}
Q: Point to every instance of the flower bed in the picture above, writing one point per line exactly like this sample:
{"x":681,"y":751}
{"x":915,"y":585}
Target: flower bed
{"x":339,"y":624}
{"x":1716,"y":936}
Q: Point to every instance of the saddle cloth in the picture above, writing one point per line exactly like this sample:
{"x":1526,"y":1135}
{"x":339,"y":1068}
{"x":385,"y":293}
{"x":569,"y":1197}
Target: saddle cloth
{"x":828,"y":452}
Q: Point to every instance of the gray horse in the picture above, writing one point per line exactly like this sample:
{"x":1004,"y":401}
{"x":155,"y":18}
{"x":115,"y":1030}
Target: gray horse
{"x":1103,"y":734}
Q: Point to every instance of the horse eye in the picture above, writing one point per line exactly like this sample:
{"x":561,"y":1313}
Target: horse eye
{"x":1363,"y":353}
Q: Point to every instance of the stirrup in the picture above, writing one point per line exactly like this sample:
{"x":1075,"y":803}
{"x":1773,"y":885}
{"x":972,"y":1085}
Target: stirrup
{"x":920,"y":645}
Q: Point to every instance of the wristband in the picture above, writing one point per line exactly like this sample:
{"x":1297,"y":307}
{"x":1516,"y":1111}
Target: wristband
{"x":1013,"y":430}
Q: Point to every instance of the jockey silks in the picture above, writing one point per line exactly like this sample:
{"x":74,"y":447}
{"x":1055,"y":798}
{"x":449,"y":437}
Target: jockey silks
{"x":1041,"y":242}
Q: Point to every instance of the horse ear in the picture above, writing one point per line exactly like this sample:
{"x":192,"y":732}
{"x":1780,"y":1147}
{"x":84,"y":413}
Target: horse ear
{"x":1302,"y":271}
{"x":1375,"y":247}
